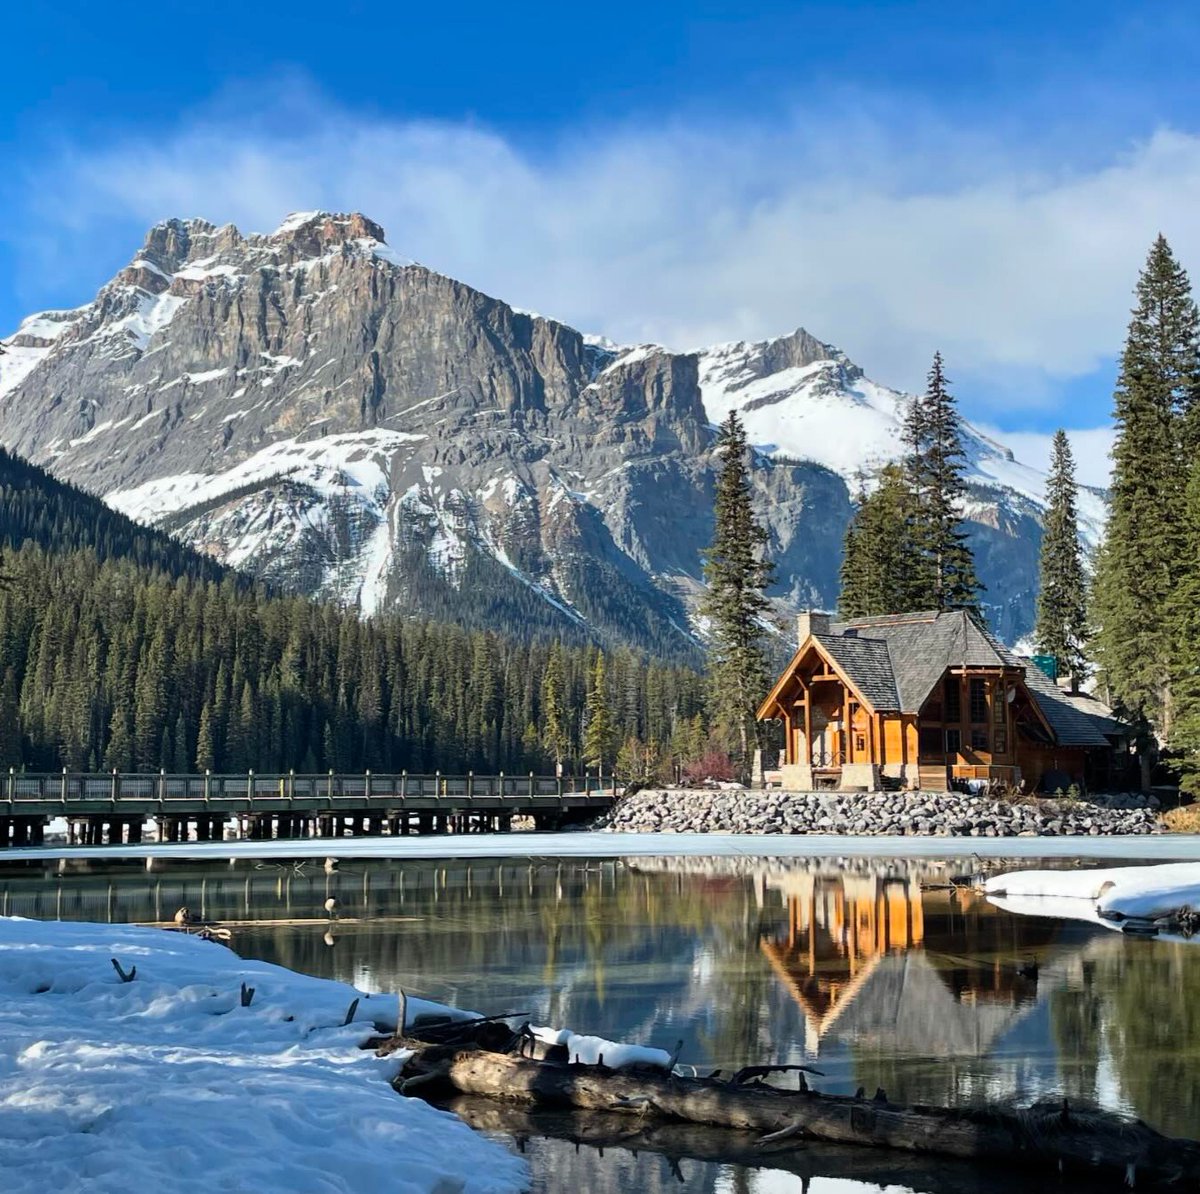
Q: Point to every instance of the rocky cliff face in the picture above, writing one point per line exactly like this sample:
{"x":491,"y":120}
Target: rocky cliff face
{"x":310,"y":407}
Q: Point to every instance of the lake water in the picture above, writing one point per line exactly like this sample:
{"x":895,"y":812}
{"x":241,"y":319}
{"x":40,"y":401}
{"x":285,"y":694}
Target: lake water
{"x":870,"y":969}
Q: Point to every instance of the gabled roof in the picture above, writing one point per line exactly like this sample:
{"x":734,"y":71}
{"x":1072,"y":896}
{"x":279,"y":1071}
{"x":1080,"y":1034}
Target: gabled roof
{"x":921,"y":646}
{"x":868,"y":664}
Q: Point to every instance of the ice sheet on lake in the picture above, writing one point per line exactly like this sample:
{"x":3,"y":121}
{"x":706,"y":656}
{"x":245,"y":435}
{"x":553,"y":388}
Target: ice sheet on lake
{"x":1107,"y":896}
{"x":168,"y":1083}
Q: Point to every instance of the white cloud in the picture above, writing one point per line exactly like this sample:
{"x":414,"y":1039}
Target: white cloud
{"x":1090,"y":446}
{"x":888,"y":245}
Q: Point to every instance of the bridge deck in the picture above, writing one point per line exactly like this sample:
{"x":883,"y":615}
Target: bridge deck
{"x":306,"y":796}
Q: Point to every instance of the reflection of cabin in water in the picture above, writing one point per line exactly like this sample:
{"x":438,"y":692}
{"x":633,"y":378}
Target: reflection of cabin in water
{"x":933,"y":971}
{"x":924,"y":699}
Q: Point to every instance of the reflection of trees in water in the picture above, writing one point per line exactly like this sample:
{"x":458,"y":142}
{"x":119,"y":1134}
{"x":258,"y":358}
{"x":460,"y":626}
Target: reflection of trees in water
{"x":920,"y":992}
{"x":1134,"y":1006}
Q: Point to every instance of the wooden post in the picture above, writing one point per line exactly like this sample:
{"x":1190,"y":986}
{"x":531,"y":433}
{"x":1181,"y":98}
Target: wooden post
{"x":162,"y":784}
{"x":291,"y":783}
{"x":808,"y":743}
{"x":847,"y":755}
{"x":331,"y":785}
{"x":367,"y":786}
{"x":64,"y":787}
{"x":207,"y":784}
{"x":470,"y":784}
{"x":403,"y":784}
{"x":116,"y":786}
{"x":531,"y":785}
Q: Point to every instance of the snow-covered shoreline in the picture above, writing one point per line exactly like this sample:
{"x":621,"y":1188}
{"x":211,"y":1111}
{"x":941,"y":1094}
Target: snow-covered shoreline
{"x":168,"y":1082}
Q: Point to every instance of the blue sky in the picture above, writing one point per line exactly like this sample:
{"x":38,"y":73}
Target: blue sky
{"x":897,"y":177}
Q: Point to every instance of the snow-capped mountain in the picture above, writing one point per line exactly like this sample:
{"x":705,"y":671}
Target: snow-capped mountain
{"x":310,"y":407}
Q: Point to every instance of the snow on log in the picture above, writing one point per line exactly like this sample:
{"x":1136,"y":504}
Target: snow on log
{"x":592,"y":1050}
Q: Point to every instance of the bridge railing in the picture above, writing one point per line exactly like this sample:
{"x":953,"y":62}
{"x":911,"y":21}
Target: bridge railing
{"x":365,"y":788}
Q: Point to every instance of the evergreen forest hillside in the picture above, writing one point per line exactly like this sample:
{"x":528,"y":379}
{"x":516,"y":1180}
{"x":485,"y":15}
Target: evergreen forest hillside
{"x":36,"y":507}
{"x":106,"y":664}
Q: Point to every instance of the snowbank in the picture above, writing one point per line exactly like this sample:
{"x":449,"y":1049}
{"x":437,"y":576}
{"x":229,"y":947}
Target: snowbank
{"x":168,"y":1082}
{"x":1117,"y":893}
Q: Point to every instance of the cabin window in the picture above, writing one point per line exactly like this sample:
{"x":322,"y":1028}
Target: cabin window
{"x":953,"y":741}
{"x":953,"y":699}
{"x":979,"y":708}
{"x":930,"y":741}
{"x":1001,"y":742}
{"x":860,"y":742}
{"x":979,"y":740}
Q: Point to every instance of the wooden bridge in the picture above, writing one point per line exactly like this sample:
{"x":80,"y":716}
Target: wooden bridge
{"x":113,"y":808}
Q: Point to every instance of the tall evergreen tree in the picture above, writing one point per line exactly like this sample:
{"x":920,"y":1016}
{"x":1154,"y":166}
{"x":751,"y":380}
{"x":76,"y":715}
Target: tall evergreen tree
{"x":554,"y":712}
{"x":876,"y":561}
{"x":1184,"y":616}
{"x":735,"y":602}
{"x":1154,"y":409}
{"x":1061,"y":628}
{"x":599,"y":729}
{"x":944,"y":573}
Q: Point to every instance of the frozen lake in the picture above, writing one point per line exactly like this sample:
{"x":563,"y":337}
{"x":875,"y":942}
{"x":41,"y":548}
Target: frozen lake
{"x":855,"y":956}
{"x":1162,"y":847}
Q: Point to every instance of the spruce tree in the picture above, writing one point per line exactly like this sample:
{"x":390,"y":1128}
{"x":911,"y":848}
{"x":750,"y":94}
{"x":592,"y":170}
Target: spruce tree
{"x":554,"y":712}
{"x":1061,"y":628}
{"x":876,"y":561}
{"x":1154,"y":406}
{"x":946,"y":568}
{"x":599,"y":730}
{"x":737,"y":573}
{"x":1184,"y":615}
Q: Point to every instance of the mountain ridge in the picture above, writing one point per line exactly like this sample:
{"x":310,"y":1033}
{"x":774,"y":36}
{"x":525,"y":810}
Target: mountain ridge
{"x":311,"y":407}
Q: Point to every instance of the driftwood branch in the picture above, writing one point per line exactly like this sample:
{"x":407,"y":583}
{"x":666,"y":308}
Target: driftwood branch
{"x":350,"y":1012}
{"x":125,"y":976}
{"x":247,"y":995}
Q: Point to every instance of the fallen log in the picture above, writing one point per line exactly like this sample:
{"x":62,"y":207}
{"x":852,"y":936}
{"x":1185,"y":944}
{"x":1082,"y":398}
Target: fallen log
{"x":1050,"y":1136}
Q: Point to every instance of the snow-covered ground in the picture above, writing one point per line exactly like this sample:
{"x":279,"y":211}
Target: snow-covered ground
{"x":167,"y":1083}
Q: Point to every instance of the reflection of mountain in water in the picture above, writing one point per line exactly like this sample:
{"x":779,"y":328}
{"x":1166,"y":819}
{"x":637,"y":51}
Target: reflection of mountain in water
{"x":931,"y":994}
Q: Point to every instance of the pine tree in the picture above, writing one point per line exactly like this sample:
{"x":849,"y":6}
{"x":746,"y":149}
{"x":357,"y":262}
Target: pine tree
{"x":599,"y":730}
{"x":737,"y":573}
{"x":1184,"y":615}
{"x":946,"y":570}
{"x":554,"y":713}
{"x":1061,"y":628}
{"x":876,"y":576}
{"x":1154,"y":408}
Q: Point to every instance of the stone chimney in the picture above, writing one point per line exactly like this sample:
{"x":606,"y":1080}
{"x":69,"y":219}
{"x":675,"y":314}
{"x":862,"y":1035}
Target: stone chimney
{"x":811,"y":622}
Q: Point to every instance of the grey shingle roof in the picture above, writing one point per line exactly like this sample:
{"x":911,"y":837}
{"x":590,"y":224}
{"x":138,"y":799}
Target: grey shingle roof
{"x":895,"y":661}
{"x":867,"y":663}
{"x":1071,"y":726}
{"x":922,"y":646}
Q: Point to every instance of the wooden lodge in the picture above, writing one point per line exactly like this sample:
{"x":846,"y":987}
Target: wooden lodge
{"x":927,"y":700}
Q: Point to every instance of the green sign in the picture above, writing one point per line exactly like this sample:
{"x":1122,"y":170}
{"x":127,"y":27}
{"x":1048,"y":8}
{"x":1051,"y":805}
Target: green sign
{"x":1048,"y":664}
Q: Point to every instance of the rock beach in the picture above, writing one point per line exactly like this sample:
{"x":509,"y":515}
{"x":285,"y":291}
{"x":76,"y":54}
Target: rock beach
{"x":937,"y":814}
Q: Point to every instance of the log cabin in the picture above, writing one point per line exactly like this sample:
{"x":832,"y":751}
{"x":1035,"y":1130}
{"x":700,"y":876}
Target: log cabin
{"x":930,"y":700}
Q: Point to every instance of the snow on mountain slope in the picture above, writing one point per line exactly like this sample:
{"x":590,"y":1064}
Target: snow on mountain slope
{"x":314,"y":408}
{"x":823,"y":409}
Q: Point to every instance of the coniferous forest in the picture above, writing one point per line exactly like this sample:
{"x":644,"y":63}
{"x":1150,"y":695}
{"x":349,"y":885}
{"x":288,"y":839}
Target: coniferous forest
{"x":122,"y":648}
